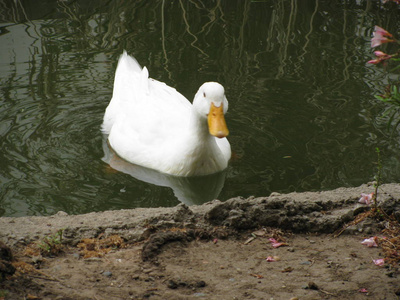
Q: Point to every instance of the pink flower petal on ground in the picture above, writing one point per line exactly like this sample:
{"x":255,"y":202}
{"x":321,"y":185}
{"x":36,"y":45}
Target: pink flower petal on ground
{"x":379,"y":262}
{"x":270,"y":259}
{"x":366,"y":198}
{"x":275,"y":243}
{"x":370,"y":242}
{"x":363,"y":290}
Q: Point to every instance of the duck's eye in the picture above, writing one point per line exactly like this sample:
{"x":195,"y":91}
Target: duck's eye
{"x":204,"y":94}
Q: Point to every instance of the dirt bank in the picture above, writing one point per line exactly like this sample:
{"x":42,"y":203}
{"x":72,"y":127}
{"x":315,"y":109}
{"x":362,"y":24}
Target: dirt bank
{"x":213,"y":251}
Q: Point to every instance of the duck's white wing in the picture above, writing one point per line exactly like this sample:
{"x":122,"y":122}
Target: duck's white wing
{"x":138,"y":95}
{"x":144,"y":114}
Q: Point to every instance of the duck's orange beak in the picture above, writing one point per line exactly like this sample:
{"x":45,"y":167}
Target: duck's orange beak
{"x":216,"y":121}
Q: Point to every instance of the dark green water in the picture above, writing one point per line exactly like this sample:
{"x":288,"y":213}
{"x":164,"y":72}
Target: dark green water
{"x":302,"y":113}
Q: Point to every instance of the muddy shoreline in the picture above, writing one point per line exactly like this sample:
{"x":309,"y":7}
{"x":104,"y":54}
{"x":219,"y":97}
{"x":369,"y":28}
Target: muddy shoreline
{"x":218,"y":250}
{"x":316,"y":212}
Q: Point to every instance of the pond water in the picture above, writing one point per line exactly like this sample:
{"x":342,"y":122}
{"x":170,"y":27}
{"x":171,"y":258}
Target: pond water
{"x":302,"y":114}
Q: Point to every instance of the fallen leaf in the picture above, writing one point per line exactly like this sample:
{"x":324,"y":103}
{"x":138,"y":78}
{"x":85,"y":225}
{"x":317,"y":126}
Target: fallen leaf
{"x":257,"y":276}
{"x":248,"y":241}
{"x":259,"y":233}
{"x":287,"y":270}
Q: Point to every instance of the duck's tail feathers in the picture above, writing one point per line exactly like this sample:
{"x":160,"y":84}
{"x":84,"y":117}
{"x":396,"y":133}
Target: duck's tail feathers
{"x":129,"y":63}
{"x":144,"y":80}
{"x":131,"y":66}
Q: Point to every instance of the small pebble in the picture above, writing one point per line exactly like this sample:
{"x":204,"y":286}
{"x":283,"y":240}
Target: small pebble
{"x":200,"y":284}
{"x":107,"y":273}
{"x":312,"y":286}
{"x":93,"y":259}
{"x":61,"y":214}
{"x":37,"y":259}
{"x":199,"y":295}
{"x":172,"y":284}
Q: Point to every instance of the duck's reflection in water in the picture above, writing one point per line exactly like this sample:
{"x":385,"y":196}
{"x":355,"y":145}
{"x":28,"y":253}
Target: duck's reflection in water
{"x":188,"y":190}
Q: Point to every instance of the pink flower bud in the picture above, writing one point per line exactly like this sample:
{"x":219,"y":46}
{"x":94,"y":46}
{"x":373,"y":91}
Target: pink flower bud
{"x":374,"y":61}
{"x":380,"y":53}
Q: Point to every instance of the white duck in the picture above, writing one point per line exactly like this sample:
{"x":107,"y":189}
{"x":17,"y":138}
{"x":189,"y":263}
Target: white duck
{"x":152,"y":125}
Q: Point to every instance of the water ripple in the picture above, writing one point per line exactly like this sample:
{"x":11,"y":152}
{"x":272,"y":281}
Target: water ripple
{"x":302,"y":114}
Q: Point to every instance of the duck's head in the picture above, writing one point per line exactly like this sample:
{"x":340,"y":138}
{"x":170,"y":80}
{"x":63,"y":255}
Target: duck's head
{"x":211,"y":103}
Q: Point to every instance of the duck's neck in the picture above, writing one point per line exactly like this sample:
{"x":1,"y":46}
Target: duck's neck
{"x":198,"y":127}
{"x":201,"y":152}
